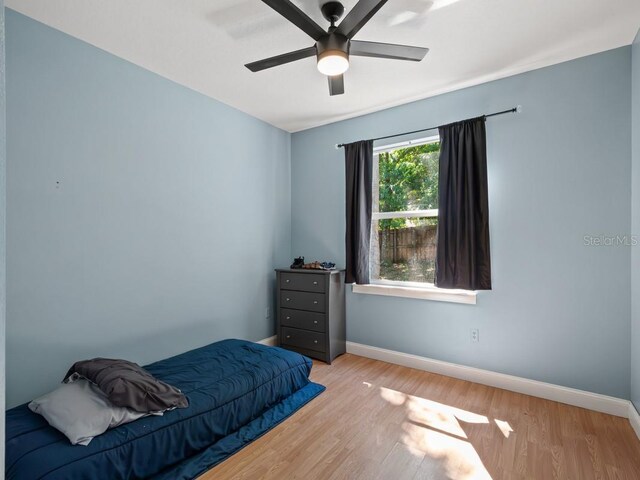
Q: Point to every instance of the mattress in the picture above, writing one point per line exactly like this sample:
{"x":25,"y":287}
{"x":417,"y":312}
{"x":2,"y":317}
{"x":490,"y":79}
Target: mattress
{"x":237,"y":391}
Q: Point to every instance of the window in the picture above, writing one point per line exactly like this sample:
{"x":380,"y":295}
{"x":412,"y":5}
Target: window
{"x":405,"y":213}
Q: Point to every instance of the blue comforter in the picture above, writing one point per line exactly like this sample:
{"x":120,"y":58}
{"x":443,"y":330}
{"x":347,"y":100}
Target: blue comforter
{"x":237,"y":391}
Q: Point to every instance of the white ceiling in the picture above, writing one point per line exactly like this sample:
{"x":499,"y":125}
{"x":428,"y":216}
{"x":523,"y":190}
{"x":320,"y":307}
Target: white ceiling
{"x":204,"y":44}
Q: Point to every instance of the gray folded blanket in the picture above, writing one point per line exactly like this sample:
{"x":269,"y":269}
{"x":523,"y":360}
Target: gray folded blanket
{"x":127,"y":384}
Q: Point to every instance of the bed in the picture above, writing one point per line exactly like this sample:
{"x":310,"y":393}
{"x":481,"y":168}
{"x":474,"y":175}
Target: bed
{"x":237,"y":391}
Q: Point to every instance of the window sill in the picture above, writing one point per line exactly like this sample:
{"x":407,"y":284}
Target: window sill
{"x":424,"y":293}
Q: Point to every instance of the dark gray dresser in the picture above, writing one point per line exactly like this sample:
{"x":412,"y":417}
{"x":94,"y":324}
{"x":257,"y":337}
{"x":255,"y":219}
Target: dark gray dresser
{"x":311,"y":312}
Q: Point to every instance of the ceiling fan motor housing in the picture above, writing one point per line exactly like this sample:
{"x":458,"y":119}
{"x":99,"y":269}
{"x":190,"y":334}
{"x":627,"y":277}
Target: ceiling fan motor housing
{"x":331,"y":44}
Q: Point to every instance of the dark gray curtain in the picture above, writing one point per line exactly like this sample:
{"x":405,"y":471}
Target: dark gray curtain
{"x":462,"y":258}
{"x":359,"y":171}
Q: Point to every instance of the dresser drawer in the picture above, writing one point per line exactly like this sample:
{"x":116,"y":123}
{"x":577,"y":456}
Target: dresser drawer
{"x":302,"y":300}
{"x":303,"y":339}
{"x":302,"y":319}
{"x":306,"y":282}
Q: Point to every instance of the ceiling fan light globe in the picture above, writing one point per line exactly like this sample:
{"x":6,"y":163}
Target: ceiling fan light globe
{"x":333,"y":62}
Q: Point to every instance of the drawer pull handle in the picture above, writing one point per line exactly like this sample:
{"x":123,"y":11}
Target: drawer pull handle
{"x":315,"y":283}
{"x":288,"y":336}
{"x":288,"y":318}
{"x":287,"y":299}
{"x":287,"y":281}
{"x":315,"y":302}
{"x":315,"y":321}
{"x":315,"y":341}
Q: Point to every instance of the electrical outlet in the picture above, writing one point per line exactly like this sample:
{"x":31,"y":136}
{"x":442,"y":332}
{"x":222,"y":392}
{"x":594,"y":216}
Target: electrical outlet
{"x":475,"y":335}
{"x":267,"y":312}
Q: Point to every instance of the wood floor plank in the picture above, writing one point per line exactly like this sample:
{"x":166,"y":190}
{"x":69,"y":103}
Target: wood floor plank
{"x":383,"y":421}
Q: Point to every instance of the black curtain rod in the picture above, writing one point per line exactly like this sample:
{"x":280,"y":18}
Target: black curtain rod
{"x":517,"y":109}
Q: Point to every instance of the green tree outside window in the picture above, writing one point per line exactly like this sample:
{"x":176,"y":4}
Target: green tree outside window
{"x":408,"y":179}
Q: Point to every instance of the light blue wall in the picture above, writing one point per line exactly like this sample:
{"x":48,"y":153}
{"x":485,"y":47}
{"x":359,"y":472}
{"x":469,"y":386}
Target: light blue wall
{"x":171,"y":212}
{"x":559,"y":311}
{"x":635,"y":226}
{"x":3,"y":164}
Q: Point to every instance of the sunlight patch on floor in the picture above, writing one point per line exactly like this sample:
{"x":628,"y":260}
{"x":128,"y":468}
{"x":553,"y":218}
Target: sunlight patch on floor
{"x":460,"y":459}
{"x":432,"y":414}
{"x":504,"y":427}
{"x":433,"y":430}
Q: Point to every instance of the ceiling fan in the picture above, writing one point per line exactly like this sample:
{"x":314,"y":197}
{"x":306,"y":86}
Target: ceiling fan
{"x":334,"y":46}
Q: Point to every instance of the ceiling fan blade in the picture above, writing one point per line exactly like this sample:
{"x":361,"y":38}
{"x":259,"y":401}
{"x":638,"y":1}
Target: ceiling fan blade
{"x":281,"y":59}
{"x":296,"y":16}
{"x":336,"y":85}
{"x":387,"y":50}
{"x":359,"y":15}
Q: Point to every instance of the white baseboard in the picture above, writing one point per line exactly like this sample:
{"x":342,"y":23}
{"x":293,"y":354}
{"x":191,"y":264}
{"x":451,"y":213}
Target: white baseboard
{"x":271,"y":341}
{"x":634,"y":419}
{"x":570,"y":396}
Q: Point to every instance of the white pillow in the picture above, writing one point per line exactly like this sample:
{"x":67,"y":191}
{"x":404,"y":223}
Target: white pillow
{"x":81,"y":411}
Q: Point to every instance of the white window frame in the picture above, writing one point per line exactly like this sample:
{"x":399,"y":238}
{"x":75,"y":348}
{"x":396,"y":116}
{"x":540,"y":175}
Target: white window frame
{"x":418,"y":290}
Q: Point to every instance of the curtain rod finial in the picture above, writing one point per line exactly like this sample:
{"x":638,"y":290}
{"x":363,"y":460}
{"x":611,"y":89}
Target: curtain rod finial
{"x":519,"y":109}
{"x":338,"y":146}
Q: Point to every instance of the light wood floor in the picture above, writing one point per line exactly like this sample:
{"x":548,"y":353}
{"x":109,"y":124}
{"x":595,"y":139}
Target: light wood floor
{"x":382,"y":421}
